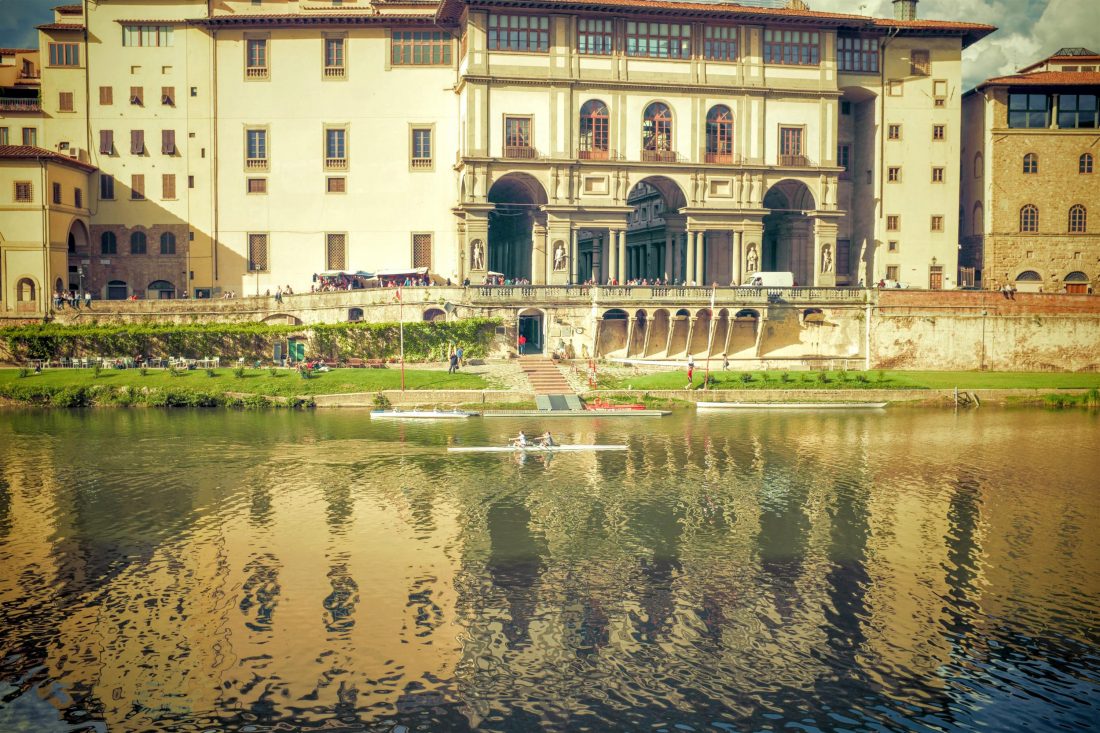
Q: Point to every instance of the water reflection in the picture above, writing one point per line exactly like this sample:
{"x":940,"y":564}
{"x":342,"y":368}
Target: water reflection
{"x":207,"y":570}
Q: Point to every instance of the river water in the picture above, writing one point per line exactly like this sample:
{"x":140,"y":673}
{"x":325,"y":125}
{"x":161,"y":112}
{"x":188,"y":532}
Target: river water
{"x":254,"y":571}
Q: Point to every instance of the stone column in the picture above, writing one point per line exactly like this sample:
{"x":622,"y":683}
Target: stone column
{"x":574,"y":255}
{"x":668,"y":255}
{"x":700,"y":263}
{"x":622,"y":257}
{"x":538,"y":255}
{"x":735,"y":258}
{"x":599,"y":259}
{"x":689,"y":270}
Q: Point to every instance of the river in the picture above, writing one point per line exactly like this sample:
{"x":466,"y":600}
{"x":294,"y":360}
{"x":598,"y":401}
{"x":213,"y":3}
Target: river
{"x":907,"y":569}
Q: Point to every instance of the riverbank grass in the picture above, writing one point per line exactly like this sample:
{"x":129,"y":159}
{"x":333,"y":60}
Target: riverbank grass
{"x":799,"y":380}
{"x":272,"y":383}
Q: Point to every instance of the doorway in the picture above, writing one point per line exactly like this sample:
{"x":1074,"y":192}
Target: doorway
{"x":530,"y":327}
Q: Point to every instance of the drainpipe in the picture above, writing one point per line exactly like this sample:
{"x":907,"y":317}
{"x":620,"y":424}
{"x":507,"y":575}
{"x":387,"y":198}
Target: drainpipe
{"x":45,"y":286}
{"x":867,"y":330}
{"x":881,"y":141}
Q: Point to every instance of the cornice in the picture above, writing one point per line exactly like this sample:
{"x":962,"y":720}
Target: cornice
{"x":677,"y":87}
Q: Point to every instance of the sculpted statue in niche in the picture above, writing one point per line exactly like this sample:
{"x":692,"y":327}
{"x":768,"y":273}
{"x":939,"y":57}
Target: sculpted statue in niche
{"x":559,"y":256}
{"x":477,"y":255}
{"x":751,"y":260}
{"x":826,"y":258}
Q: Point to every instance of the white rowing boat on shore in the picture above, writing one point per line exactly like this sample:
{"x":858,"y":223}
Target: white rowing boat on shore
{"x":790,"y":405}
{"x":533,"y":448}
{"x":420,"y":414}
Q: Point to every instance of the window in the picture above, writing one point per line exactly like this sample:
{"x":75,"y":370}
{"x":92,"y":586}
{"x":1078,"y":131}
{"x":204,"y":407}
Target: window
{"x":893,"y":174}
{"x":336,"y":251}
{"x":1028,"y":110}
{"x":106,"y":186}
{"x":64,"y":54}
{"x":335,"y":184}
{"x":256,"y":148}
{"x":23,"y":191}
{"x":421,"y":147}
{"x":78,"y":198}
{"x":336,"y":151}
{"x":257,"y":253}
{"x":168,"y":186}
{"x":720,"y":43}
{"x":895,"y":88}
{"x":56,"y":193}
{"x":255,"y":64}
{"x":937,"y":223}
{"x":517,"y":138}
{"x":256,"y":185}
{"x":893,"y":223}
{"x":978,"y":220}
{"x":146,"y":35}
{"x":939,"y":132}
{"x":168,"y":243}
{"x":1077,"y":219}
{"x":422,"y":250}
{"x":64,"y":101}
{"x":595,"y":37}
{"x":892,"y":246}
{"x":137,"y":187}
{"x":1029,"y":219}
{"x":939,"y":90}
{"x":919,"y":63}
{"x":107,"y":142}
{"x":424,"y":48}
{"x":138,"y":243}
{"x":1077,"y":111}
{"x":168,"y":96}
{"x":106,"y":96}
{"x":719,"y":135}
{"x":190,"y":181}
{"x":334,"y":58}
{"x":594,"y":140}
{"x":892,"y":272}
{"x":529,"y":33}
{"x":137,"y":96}
{"x":657,"y":133}
{"x":937,"y":175}
{"x":168,"y":142}
{"x":792,"y":48}
{"x":893,"y":132}
{"x":979,"y":164}
{"x":1031,"y":163}
{"x":844,"y":159}
{"x":4,"y":136}
{"x":790,"y":146}
{"x":108,"y":243}
{"x":658,"y":40}
{"x":137,"y":142}
{"x":858,"y":55}
{"x":1084,"y":163}
{"x":843,"y":256}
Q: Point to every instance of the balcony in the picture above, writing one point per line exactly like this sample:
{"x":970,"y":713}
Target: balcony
{"x":658,"y":156}
{"x":336,"y":164}
{"x":720,"y":158}
{"x":20,"y":105}
{"x":522,"y":152}
{"x":593,"y":154}
{"x":256,"y":164}
{"x":335,"y":72}
{"x":794,"y":161}
{"x":256,"y":72}
{"x":421,"y":163}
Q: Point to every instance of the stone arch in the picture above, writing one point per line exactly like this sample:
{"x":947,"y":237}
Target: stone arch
{"x":678,"y":332}
{"x":1029,"y":276}
{"x":58,"y":286}
{"x":721,"y":332}
{"x":788,"y":244}
{"x":434,"y":314}
{"x":653,"y":199}
{"x":638,"y":330}
{"x":743,"y":333}
{"x":518,"y":199}
{"x":26,"y":293}
{"x":531,"y":324}
{"x":164,"y":290}
{"x":658,"y":333}
{"x":284,"y":319}
{"x":355,"y":315}
{"x":1076,"y":282}
{"x":117,"y":290}
{"x":78,"y":236}
{"x":700,"y":333}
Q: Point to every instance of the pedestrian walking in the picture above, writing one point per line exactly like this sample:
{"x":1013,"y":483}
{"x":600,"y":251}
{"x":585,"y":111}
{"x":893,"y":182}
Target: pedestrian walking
{"x":87,"y":299}
{"x":458,"y":353}
{"x":454,"y":363}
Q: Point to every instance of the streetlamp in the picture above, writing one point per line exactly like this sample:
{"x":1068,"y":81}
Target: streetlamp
{"x":80,"y":275}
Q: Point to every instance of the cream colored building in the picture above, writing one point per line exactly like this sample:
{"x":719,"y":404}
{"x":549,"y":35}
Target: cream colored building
{"x":247,"y":145}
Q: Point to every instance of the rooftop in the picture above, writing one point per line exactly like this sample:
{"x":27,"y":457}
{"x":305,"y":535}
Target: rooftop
{"x":69,"y":9}
{"x":1046,"y":78}
{"x":31,"y":152}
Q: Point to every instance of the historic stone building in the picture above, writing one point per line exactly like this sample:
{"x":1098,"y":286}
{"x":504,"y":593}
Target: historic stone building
{"x":1030,"y":176}
{"x":249,"y":144}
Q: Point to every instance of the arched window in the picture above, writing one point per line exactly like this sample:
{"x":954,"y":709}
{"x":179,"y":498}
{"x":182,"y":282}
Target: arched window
{"x":1077,"y":283}
{"x":25,"y":290}
{"x":117,"y":290}
{"x":657,"y":134}
{"x":978,"y":225}
{"x":138,"y":243}
{"x":1029,"y":276}
{"x":161,"y":290}
{"x":108,"y":243}
{"x":1031,"y":163}
{"x":594,"y":124}
{"x":979,"y":164}
{"x":1029,"y":219}
{"x":719,"y":135}
{"x":1084,"y":164}
{"x":1077,"y":219}
{"x":168,"y":243}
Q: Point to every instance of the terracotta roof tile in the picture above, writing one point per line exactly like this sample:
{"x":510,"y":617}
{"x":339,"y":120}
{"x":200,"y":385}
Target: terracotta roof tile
{"x":60,"y":27}
{"x":949,"y":25}
{"x":69,"y":9}
{"x":1047,"y":78}
{"x":32,"y":152}
{"x":11,"y":51}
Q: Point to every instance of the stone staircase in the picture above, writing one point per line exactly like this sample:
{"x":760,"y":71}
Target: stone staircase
{"x":552,"y":391}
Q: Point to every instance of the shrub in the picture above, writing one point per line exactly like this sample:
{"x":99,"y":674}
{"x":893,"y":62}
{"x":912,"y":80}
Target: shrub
{"x":173,"y":371}
{"x":273,"y":371}
{"x":210,"y":372}
{"x":822,"y":377}
{"x":239,"y":372}
{"x":880,"y":376}
{"x":71,"y":397}
{"x":254,"y":401}
{"x":144,"y":371}
{"x":843,"y":376}
{"x":862,"y":378}
{"x":784,"y":377}
{"x":97,"y":370}
{"x":306,"y":373}
{"x":24,"y":372}
{"x":382,"y":402}
{"x":746,"y":377}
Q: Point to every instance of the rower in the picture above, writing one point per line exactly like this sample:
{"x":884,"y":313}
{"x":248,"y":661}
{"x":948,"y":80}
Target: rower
{"x":546,"y":439}
{"x":520,"y":441}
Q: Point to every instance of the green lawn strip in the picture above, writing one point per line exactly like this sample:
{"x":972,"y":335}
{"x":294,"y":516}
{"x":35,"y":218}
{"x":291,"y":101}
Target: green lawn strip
{"x":285,"y":383}
{"x":797,"y":380}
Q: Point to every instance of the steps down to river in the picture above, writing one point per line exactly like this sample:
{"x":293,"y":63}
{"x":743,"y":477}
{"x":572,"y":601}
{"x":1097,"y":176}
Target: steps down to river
{"x":552,"y":391}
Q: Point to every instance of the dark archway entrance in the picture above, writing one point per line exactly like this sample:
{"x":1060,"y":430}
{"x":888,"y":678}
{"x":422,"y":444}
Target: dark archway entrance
{"x":530,"y":327}
{"x":788,"y":244}
{"x":653,"y":199}
{"x":518,"y":198}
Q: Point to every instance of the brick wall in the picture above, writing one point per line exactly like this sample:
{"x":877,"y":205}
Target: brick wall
{"x":137,"y":271}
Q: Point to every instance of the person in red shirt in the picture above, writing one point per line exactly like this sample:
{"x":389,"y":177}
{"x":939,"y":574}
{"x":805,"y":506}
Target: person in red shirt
{"x":522,"y":342}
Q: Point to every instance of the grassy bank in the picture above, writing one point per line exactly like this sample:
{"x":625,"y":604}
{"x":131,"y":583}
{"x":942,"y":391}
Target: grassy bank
{"x":218,"y":387}
{"x":855,"y":380}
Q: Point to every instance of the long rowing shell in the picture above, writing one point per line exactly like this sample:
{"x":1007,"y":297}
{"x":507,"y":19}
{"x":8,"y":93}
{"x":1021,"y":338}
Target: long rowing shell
{"x":533,"y":448}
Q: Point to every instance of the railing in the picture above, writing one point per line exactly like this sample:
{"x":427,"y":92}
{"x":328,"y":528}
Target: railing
{"x":699,"y":295}
{"x":421,"y":162}
{"x":524,"y":152}
{"x":256,"y":164}
{"x":593,"y":154}
{"x":659,"y":156}
{"x":794,"y":161}
{"x":336,"y":164}
{"x":20,"y":105}
{"x":718,"y":158}
{"x":256,"y":72}
{"x":335,"y":72}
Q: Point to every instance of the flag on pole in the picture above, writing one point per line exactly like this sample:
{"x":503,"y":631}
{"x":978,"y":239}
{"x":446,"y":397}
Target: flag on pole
{"x":397,"y":294}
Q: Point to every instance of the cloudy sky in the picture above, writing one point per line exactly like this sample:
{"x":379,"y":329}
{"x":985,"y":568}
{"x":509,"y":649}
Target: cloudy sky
{"x":1029,"y":29}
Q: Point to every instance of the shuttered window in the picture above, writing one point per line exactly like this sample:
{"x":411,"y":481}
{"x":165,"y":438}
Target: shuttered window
{"x":106,"y":95}
{"x":168,"y":186}
{"x":137,"y":142}
{"x":107,"y":141}
{"x":65,"y":101}
{"x":137,"y":187}
{"x":336,"y":251}
{"x":168,"y":142}
{"x":257,"y":253}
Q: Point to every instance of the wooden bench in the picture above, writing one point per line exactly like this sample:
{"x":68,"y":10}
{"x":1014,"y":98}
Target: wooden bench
{"x":356,"y":363}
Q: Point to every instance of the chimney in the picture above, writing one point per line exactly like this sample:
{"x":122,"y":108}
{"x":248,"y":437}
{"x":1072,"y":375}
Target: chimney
{"x":905,"y":9}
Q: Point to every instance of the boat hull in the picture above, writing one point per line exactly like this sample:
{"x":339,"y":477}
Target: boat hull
{"x":419,"y":415}
{"x":533,"y":448}
{"x":790,"y":405}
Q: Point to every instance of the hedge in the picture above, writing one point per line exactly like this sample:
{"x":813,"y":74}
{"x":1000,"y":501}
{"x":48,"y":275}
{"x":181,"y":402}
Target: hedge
{"x":424,"y":341}
{"x":56,"y":396}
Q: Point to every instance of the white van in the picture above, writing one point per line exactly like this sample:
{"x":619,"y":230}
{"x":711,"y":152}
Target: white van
{"x":770,"y":280}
